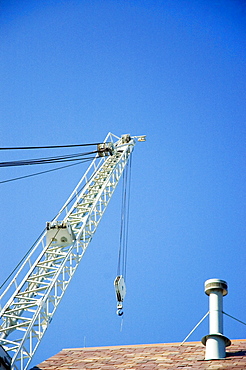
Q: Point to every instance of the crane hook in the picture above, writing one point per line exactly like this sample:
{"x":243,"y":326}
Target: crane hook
{"x":119,"y":312}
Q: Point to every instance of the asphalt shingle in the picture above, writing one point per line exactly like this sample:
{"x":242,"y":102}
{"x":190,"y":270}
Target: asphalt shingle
{"x":147,"y":357}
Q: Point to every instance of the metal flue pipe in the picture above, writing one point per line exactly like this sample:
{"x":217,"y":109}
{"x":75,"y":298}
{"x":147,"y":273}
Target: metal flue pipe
{"x":215,"y":342}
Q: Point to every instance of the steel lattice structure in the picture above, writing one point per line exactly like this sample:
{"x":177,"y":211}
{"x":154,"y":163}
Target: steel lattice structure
{"x":31,"y":298}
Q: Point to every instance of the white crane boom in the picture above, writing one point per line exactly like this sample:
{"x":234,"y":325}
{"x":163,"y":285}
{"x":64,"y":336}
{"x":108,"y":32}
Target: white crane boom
{"x":31,"y":298}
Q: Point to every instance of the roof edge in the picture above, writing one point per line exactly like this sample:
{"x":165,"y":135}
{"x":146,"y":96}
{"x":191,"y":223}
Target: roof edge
{"x":142,"y":345}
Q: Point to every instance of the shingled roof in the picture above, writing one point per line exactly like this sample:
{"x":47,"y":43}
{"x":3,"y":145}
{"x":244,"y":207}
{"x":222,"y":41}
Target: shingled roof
{"x":147,"y":357}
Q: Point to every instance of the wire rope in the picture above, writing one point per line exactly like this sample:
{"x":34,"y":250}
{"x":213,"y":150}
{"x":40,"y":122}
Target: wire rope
{"x":47,"y":146}
{"x":44,"y":160}
{"x":234,"y":318}
{"x":43,"y":172}
{"x":127,"y":214}
{"x":125,"y":206}
{"x":122,"y":225}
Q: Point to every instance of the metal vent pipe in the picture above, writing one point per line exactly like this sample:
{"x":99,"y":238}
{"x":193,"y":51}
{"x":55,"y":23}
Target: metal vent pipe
{"x":215,"y":342}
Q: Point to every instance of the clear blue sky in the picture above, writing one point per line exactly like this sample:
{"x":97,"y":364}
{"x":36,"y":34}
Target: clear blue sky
{"x":70,"y":72}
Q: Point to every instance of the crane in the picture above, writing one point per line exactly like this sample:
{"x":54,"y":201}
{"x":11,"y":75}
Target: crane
{"x":31,"y":298}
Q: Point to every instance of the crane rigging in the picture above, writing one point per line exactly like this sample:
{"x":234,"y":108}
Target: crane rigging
{"x":120,"y":280}
{"x":75,"y":157}
{"x":31,"y":298}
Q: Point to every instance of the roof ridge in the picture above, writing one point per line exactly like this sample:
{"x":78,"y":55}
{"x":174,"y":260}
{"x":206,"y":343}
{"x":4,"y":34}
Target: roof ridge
{"x":141,"y":345}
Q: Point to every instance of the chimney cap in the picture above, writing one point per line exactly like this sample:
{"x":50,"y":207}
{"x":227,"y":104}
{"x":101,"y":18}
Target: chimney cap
{"x":215,"y":284}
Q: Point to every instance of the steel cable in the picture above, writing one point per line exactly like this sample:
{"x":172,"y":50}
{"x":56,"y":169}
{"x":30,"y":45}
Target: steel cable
{"x":43,"y":172}
{"x":44,"y":160}
{"x":47,"y":146}
{"x":125,"y":206}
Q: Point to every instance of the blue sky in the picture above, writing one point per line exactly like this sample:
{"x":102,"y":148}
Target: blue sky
{"x":71,"y":71}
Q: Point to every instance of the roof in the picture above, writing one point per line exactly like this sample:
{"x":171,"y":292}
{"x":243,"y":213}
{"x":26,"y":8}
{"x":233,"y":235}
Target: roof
{"x":147,"y":357}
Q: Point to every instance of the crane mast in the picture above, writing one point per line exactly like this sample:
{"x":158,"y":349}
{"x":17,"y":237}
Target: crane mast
{"x":30,"y":300}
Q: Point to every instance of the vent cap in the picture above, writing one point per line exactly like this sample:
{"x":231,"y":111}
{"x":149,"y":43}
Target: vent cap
{"x":216,"y":284}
